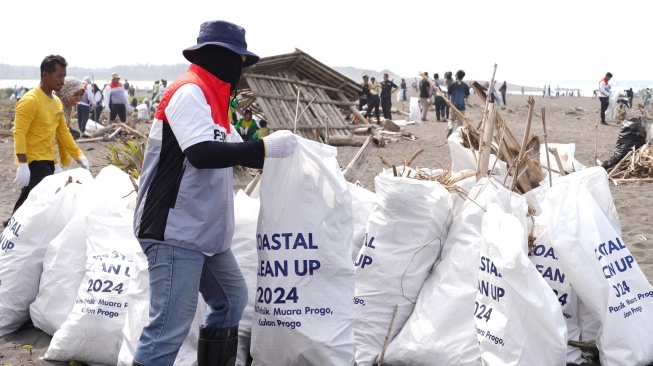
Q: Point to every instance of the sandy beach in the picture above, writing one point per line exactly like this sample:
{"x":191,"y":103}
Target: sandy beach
{"x":633,"y":201}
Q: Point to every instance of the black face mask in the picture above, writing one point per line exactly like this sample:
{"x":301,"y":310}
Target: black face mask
{"x":224,"y":64}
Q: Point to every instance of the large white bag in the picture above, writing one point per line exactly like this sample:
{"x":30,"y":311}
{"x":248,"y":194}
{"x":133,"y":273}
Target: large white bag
{"x":441,"y":329}
{"x":405,"y":233}
{"x":518,"y":318}
{"x":546,"y":262}
{"x":24,"y":241}
{"x":305,"y":289}
{"x":602,"y":270}
{"x":243,"y":245}
{"x":463,"y":158}
{"x":100,"y":307}
{"x":362,"y":202}
{"x":138,"y":298}
{"x":415,"y":113}
{"x":64,"y":263}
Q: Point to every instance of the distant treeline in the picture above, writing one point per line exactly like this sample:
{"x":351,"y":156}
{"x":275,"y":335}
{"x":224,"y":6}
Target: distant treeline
{"x":135,"y":72}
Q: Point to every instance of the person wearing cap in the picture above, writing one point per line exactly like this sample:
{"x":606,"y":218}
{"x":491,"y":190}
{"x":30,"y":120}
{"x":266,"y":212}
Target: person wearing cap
{"x":116,"y":100}
{"x":39,"y":117}
{"x":246,"y":126}
{"x":84,"y":105}
{"x":184,"y":219}
{"x":458,"y":92}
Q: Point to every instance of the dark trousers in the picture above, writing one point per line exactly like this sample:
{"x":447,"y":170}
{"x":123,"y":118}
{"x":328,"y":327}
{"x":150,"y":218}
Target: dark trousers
{"x":96,"y":113}
{"x":373,"y":104}
{"x":605,"y":102}
{"x":83,"y":113}
{"x":119,"y":110}
{"x":361,"y":104}
{"x":38,"y":170}
{"x":439,"y":108}
{"x":386,"y":104}
{"x":503,"y":96}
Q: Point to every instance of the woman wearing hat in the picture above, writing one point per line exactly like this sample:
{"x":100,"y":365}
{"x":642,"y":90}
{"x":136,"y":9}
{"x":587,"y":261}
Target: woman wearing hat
{"x":184,"y":216}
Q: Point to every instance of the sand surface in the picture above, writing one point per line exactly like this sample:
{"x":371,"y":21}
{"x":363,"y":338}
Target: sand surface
{"x":634,"y":201}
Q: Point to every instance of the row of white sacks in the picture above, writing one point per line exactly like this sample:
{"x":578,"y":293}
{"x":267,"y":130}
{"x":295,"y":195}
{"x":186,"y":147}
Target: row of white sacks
{"x":458,"y":270}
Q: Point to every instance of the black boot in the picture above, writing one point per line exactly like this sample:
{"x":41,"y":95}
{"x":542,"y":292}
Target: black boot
{"x":217,"y":346}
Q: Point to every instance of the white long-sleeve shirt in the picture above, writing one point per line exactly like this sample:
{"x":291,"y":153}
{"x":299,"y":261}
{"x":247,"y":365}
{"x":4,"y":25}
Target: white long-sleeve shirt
{"x":604,"y":89}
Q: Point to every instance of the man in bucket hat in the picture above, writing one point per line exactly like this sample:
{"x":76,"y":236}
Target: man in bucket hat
{"x":184,"y":219}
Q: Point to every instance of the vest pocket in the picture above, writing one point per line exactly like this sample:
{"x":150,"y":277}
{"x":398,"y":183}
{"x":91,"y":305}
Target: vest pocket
{"x":175,"y":191}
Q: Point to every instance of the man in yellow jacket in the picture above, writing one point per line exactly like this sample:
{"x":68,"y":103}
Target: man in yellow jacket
{"x":39,"y":117}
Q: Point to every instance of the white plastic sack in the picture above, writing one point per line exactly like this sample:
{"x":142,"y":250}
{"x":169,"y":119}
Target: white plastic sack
{"x":415,"y":113}
{"x":101,"y":304}
{"x":546,"y":262}
{"x":306,"y":278}
{"x":92,"y":126}
{"x":566,"y":153}
{"x":518,"y":318}
{"x":24,"y":242}
{"x":400,"y":95}
{"x":463,"y":158}
{"x":405,"y":233}
{"x":602,"y":270}
{"x":138,"y":298}
{"x":243,"y":245}
{"x":613,"y":107}
{"x":441,"y":330}
{"x":362,"y":202}
{"x":64,"y":263}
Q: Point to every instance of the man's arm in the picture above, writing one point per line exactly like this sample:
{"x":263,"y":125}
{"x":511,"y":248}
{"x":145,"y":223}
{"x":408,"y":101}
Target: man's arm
{"x":67,"y":141}
{"x":394,"y":88}
{"x":25,"y":114}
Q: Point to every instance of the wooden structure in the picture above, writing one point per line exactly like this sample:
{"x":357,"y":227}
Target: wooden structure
{"x":283,"y":88}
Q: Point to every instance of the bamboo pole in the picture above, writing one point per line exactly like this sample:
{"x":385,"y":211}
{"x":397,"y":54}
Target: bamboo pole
{"x":487,"y":105}
{"x":297,"y":108}
{"x":561,"y":168}
{"x":518,"y":162}
{"x":252,"y":184}
{"x":485,"y":145}
{"x":394,"y":314}
{"x":546,"y":144}
{"x":596,"y":142}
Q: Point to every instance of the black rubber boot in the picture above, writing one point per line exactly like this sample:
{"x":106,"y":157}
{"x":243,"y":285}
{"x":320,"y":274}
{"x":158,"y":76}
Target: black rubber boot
{"x":217,"y":346}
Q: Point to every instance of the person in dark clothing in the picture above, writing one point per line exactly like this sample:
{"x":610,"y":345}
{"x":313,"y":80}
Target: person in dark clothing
{"x":387,"y":88}
{"x":458,"y":94}
{"x":364,"y":95}
{"x":448,"y":79}
{"x":503,"y":90}
{"x":630,"y":95}
{"x":438,"y":100}
{"x":403,"y":88}
{"x":373,"y":100}
{"x":424,"y":92}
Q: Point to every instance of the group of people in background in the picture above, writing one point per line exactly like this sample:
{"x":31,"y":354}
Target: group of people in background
{"x":374,"y":93}
{"x":457,"y":92}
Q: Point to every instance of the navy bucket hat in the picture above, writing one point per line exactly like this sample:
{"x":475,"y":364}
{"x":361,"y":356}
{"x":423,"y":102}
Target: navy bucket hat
{"x":223,"y":34}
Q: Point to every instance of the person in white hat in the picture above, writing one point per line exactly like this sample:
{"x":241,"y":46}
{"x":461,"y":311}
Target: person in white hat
{"x":184,"y":215}
{"x":116,"y":100}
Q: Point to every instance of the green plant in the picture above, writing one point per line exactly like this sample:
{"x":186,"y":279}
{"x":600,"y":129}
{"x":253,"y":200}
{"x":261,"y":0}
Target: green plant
{"x":127,"y":156}
{"x":74,"y":363}
{"x":29,"y":348}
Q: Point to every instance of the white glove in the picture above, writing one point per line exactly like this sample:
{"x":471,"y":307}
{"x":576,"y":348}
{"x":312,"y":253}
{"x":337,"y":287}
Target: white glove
{"x":22,"y":175}
{"x":83,"y":162}
{"x":280,"y":144}
{"x":57,"y":168}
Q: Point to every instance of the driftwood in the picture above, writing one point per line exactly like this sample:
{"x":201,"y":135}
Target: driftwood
{"x":589,"y":347}
{"x":362,"y":159}
{"x":252,"y":184}
{"x":546,"y":145}
{"x":556,"y":156}
{"x":488,"y":131}
{"x":636,"y":166}
{"x":347,"y":140}
{"x":391,"y":126}
{"x":364,"y":130}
